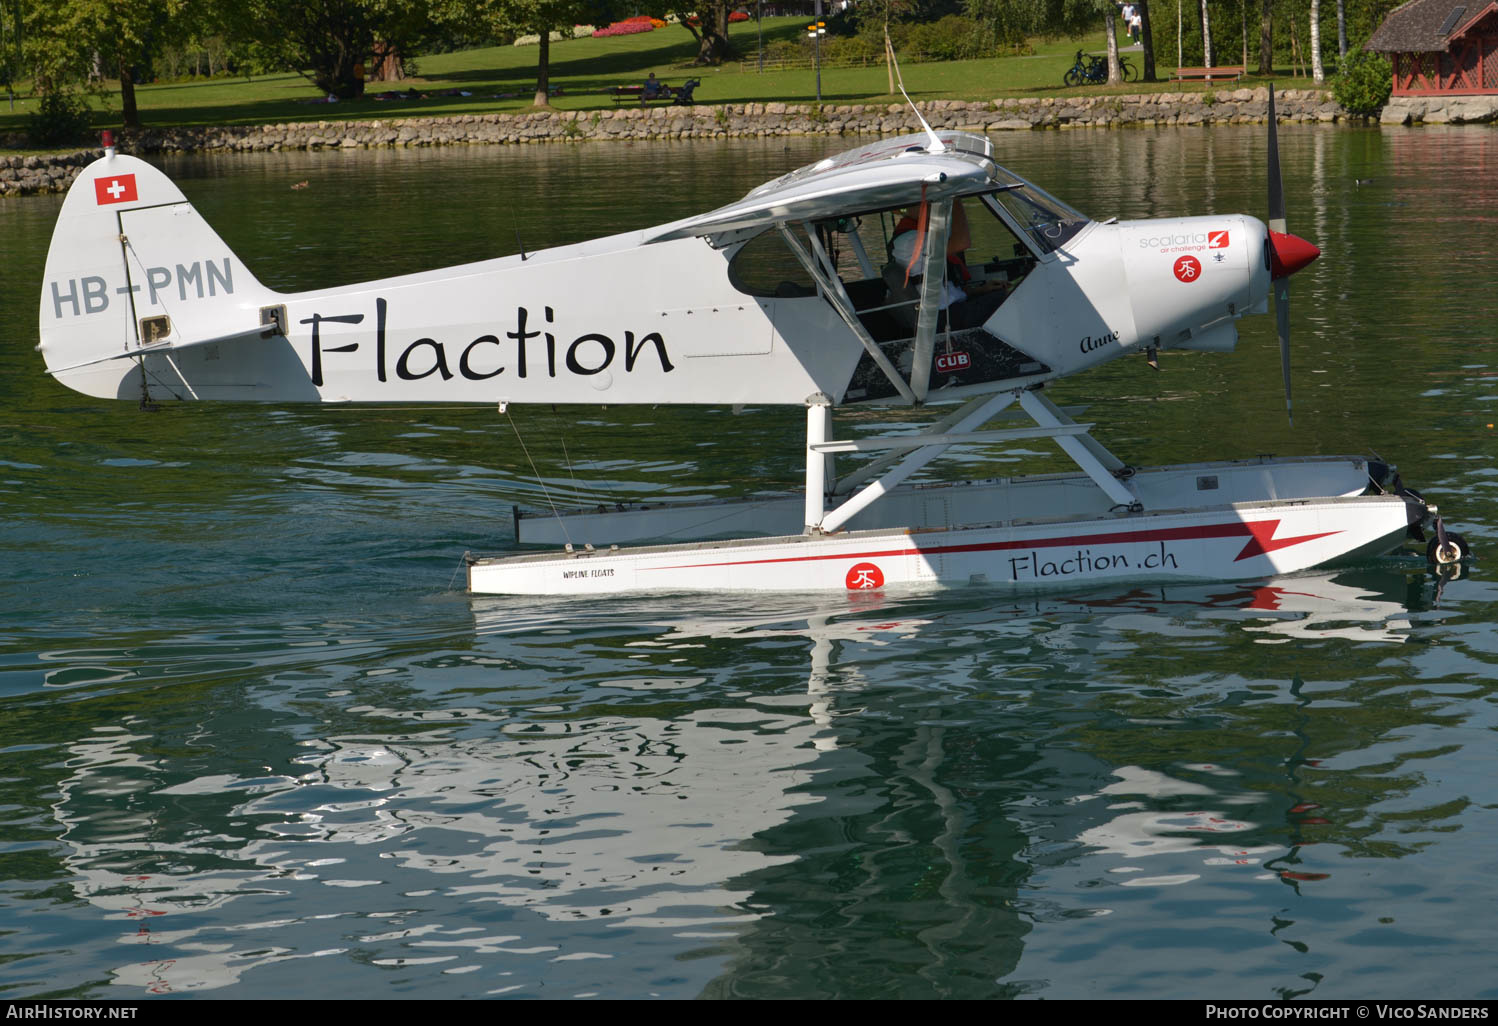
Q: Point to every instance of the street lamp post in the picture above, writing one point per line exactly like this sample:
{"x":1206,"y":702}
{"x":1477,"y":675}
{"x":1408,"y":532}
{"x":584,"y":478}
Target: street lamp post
{"x":817,"y":30}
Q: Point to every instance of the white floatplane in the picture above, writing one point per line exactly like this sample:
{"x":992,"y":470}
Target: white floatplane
{"x":907,"y":271}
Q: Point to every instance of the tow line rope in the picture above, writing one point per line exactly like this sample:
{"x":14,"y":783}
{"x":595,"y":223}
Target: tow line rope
{"x":505,"y":409}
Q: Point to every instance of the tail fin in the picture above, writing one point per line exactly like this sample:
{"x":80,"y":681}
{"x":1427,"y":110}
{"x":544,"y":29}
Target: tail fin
{"x":134,"y":271}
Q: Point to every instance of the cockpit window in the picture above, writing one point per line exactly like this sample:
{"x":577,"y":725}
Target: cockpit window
{"x":765,"y":266}
{"x":1046,"y":221}
{"x":868,"y":272}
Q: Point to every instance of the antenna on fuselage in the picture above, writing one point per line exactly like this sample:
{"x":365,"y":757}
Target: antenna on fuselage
{"x":937,"y":146}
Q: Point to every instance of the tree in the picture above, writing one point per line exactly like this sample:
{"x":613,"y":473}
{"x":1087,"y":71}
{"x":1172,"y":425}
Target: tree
{"x":10,"y":46}
{"x":1317,"y":72}
{"x":1051,"y":18}
{"x":65,"y":42}
{"x":1115,"y":75}
{"x":330,"y":41}
{"x":1266,"y":39}
{"x":711,"y":30}
{"x":1146,"y":39}
{"x":1206,"y":36}
{"x":542,"y":17}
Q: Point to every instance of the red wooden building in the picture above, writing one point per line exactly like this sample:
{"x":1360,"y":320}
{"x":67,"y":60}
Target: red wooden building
{"x":1440,"y":47}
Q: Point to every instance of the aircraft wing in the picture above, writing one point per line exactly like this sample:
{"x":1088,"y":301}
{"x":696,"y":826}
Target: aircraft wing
{"x":886,"y":173}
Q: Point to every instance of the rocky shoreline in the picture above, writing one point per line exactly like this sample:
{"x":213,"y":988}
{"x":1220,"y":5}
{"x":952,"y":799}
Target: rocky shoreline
{"x":30,"y":175}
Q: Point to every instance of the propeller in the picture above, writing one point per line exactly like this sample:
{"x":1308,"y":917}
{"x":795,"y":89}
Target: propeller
{"x":1287,"y":253}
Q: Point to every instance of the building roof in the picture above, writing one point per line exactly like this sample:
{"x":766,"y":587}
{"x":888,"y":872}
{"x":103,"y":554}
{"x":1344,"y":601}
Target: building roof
{"x":1421,"y":26}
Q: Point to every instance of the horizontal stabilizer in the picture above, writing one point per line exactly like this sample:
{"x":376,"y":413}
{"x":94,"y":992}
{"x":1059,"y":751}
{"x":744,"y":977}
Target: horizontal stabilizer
{"x":259,"y":332}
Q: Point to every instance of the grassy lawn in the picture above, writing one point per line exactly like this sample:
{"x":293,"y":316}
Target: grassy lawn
{"x":503,"y":79}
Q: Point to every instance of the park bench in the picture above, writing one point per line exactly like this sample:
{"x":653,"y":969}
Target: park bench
{"x":1233,"y":71}
{"x":636,"y":94}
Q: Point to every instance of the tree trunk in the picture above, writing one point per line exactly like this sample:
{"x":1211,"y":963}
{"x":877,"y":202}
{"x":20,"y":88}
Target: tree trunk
{"x":128,"y":109}
{"x":1297,"y":55}
{"x":1266,"y":39}
{"x":1318,"y":73}
{"x":1296,"y":63}
{"x":1341,"y":32}
{"x":387,"y":64}
{"x":1243,"y":10}
{"x":713,"y":45}
{"x":1206,"y":37}
{"x":1110,"y":25}
{"x":711,"y":31}
{"x":1147,"y":40}
{"x":889,"y":51}
{"x":543,"y":69}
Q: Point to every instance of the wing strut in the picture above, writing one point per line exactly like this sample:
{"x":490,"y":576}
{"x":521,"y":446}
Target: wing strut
{"x":838,"y":296}
{"x":933,"y":283}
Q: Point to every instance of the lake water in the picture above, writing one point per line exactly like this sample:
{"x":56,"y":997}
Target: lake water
{"x":254,"y":742}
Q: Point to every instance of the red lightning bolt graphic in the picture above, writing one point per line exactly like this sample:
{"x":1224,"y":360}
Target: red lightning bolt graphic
{"x":1262,"y":540}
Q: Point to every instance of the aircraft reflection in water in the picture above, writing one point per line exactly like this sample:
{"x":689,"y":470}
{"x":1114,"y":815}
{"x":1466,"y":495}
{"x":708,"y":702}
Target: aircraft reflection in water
{"x":677,"y":805}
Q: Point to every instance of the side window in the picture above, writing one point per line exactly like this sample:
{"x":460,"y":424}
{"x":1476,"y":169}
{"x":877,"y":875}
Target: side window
{"x":765,"y":266}
{"x":994,"y":244}
{"x":855,"y":239}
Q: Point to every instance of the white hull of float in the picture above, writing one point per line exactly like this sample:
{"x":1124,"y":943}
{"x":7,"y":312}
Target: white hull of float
{"x":955,"y":503}
{"x":1221,"y":542}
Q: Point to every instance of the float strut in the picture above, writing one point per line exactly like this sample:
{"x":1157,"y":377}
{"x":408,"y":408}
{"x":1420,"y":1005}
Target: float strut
{"x":818,"y":430}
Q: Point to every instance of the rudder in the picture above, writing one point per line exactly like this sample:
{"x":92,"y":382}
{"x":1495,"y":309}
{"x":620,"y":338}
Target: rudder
{"x":132,"y":265}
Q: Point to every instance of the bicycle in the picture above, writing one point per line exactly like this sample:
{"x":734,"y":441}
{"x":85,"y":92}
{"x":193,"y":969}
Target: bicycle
{"x":1092,"y":70}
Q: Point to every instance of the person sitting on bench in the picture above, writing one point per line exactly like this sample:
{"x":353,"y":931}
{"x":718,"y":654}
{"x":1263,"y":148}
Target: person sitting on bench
{"x":653,"y":89}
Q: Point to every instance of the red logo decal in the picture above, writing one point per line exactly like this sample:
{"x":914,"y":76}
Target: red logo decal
{"x":952,"y":362}
{"x":1262,"y":541}
{"x":1217,"y":240}
{"x":1188,"y":269}
{"x":118,"y":189}
{"x":864,"y":576}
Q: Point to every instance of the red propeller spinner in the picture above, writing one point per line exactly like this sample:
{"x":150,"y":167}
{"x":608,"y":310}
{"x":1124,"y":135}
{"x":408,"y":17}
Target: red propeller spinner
{"x":1289,"y":253}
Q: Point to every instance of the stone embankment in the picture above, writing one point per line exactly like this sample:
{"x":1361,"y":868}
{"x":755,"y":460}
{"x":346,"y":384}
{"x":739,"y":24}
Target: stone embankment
{"x":1440,"y":110}
{"x":24,"y":175}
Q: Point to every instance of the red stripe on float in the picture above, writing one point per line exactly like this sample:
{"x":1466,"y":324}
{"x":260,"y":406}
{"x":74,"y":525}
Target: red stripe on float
{"x":1261,"y":541}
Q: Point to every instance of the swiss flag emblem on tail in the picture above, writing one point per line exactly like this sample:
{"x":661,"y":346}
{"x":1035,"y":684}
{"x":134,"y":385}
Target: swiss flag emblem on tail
{"x":115,"y":189}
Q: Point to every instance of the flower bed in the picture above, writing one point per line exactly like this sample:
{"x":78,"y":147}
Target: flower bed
{"x":628,"y":27}
{"x":557,"y":35}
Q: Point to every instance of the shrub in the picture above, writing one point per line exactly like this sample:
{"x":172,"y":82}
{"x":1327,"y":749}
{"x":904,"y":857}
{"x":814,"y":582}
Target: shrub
{"x":1364,"y":83}
{"x":952,"y":38}
{"x":866,"y":48}
{"x":624,"y":28}
{"x":738,"y":16}
{"x":61,"y":117}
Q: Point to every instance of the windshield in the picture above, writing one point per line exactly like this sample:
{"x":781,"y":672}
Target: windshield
{"x":1046,"y":221}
